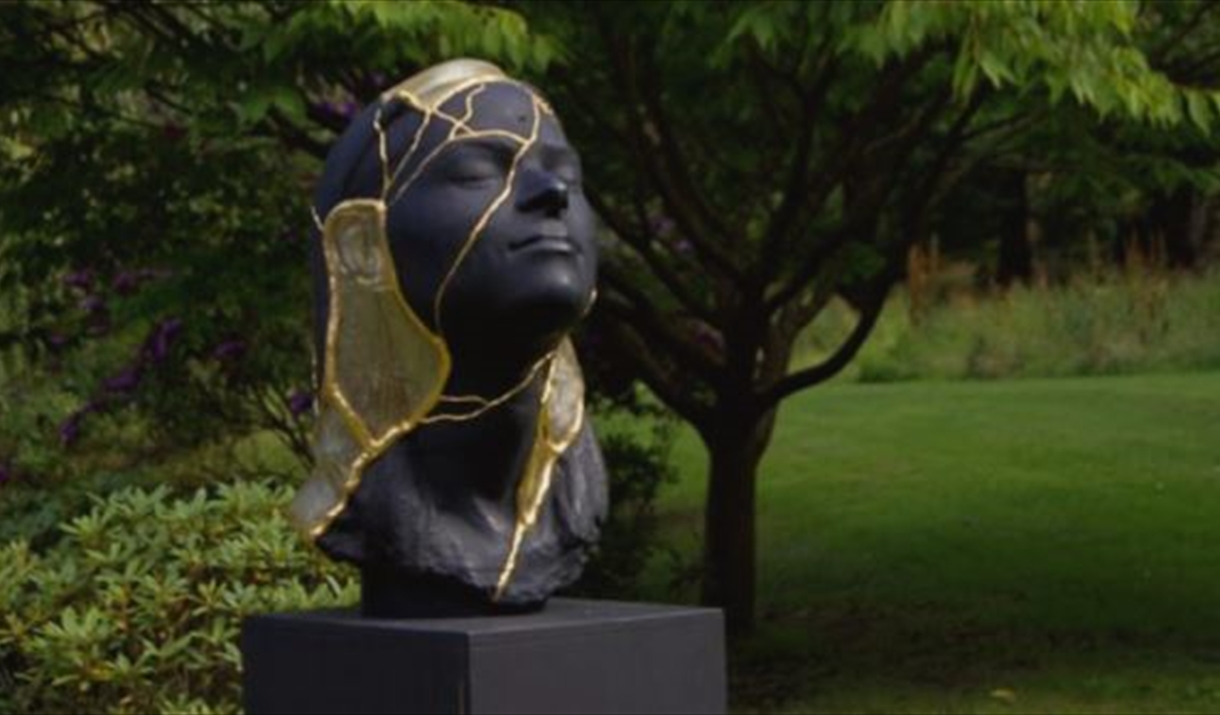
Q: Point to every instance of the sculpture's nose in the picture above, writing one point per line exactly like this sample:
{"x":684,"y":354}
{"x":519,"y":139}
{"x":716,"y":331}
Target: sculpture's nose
{"x":543,"y":191}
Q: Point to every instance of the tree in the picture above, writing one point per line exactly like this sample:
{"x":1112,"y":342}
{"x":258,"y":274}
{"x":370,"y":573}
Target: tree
{"x":754,"y":160}
{"x":751,"y":161}
{"x":158,"y":163}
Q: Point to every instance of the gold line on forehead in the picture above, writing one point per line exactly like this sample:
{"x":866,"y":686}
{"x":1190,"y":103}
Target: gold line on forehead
{"x":431,"y":106}
{"x":464,"y":121}
{"x":487,"y":214}
{"x":428,"y":104}
{"x":459,"y":128}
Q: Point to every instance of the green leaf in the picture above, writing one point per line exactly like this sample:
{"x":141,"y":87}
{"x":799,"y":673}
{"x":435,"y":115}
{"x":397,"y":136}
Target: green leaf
{"x":1199,"y":109}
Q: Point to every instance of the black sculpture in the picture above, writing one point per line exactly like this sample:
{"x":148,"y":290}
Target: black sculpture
{"x":455,"y":253}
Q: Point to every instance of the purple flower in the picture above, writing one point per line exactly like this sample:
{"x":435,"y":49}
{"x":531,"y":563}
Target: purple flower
{"x":161,"y":338}
{"x":6,"y":472}
{"x":93,"y":304}
{"x":126,"y":282}
{"x":173,"y":131}
{"x":69,"y":429}
{"x":81,"y":279}
{"x":229,"y":350}
{"x":300,"y":402}
{"x":124,"y":382}
{"x":660,"y":225}
{"x":707,"y":336}
{"x":99,"y":324}
{"x":148,"y":274}
{"x":57,"y":341}
{"x":343,"y":110}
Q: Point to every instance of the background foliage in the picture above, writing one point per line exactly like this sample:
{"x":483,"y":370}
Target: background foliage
{"x":1035,"y":173}
{"x":137,"y":608}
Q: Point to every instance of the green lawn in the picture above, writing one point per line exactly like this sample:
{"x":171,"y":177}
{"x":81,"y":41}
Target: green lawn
{"x":1020,"y":546}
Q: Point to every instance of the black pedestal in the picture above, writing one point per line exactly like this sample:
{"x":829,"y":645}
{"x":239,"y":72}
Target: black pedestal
{"x":573,"y":657}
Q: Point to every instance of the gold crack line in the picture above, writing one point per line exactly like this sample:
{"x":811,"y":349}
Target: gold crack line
{"x":540,"y":440}
{"x":429,"y":111}
{"x":554,"y":449}
{"x":427,"y":160}
{"x":485,"y":218}
{"x":462,"y":123}
{"x":479,"y":399}
{"x":424,"y":121}
{"x":486,"y":403}
{"x":382,"y":152}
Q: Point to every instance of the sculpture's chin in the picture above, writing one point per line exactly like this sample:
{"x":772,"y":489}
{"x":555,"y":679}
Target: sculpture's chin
{"x":538,"y":307}
{"x":552,"y":308}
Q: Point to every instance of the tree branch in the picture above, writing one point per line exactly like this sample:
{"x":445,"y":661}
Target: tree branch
{"x":1159,"y":54}
{"x":642,"y":245}
{"x":834,"y":364}
{"x":688,"y":218}
{"x":864,"y":211}
{"x":643,"y":317}
{"x":294,"y":136}
{"x":649,"y":92}
{"x":797,"y":181}
{"x":660,"y":380}
{"x":929,"y":191}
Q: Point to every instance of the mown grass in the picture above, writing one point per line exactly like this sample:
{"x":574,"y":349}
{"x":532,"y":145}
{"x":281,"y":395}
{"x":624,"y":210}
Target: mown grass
{"x":1009,"y":546}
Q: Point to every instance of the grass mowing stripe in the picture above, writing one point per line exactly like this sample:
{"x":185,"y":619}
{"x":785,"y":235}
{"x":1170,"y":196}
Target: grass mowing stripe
{"x":939,"y":541}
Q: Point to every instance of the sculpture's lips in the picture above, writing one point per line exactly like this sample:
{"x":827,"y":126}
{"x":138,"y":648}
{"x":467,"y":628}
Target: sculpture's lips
{"x":548,"y":242}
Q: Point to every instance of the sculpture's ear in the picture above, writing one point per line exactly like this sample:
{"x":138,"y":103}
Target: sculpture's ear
{"x":384,"y":368}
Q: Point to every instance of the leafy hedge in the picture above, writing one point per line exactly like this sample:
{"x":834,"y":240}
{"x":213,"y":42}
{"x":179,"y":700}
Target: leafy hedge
{"x":138,"y":607}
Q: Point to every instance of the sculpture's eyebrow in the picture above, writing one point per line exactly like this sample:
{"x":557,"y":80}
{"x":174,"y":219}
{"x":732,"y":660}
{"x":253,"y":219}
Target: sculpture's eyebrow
{"x":497,"y":145}
{"x":556,"y":151}
{"x":558,"y":154}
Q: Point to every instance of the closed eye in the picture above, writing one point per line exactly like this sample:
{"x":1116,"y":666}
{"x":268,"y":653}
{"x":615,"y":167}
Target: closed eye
{"x":475,"y":164}
{"x":475,"y":172}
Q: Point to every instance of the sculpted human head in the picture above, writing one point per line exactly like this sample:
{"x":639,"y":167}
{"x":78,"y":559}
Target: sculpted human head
{"x":486,"y":219}
{"x":455,"y":251}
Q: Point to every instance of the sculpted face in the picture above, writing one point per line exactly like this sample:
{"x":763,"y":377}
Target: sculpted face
{"x":493,"y":237}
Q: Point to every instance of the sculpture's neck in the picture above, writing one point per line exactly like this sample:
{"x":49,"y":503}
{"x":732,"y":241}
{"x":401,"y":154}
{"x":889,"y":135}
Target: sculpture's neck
{"x":491,"y":371}
{"x":481,"y":456}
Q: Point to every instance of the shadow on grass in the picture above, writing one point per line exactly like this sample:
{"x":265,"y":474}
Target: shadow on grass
{"x":874,"y":657}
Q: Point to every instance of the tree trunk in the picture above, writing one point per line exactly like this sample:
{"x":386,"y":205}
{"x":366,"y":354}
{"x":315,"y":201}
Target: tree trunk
{"x":1016,"y":259}
{"x":735,"y":450}
{"x":1181,"y":220}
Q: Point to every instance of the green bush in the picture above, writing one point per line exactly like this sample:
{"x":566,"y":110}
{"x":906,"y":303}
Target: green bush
{"x":137,"y":607}
{"x":636,"y":447}
{"x":1120,"y":323}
